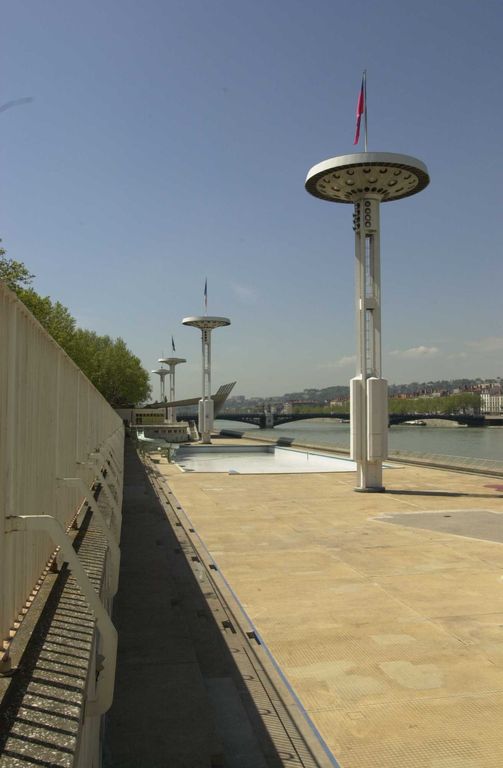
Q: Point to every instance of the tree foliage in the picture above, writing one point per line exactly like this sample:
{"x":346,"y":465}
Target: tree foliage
{"x":462,"y":403}
{"x":113,"y":369}
{"x":55,"y":318}
{"x":322,"y":409}
{"x":14,"y":273}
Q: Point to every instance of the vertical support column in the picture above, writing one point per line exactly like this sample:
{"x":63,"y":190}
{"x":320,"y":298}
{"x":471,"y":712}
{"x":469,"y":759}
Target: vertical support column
{"x":167,"y":412}
{"x":206,"y":403}
{"x":208,"y":360}
{"x":203,"y":341}
{"x":369,"y":420}
{"x":171,"y":410}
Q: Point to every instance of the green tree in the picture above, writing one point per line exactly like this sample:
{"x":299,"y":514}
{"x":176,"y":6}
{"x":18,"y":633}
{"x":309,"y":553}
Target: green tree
{"x":14,"y":273}
{"x":113,"y":369}
{"x":55,"y":318}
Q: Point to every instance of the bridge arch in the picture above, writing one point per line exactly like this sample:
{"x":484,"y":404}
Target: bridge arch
{"x":286,"y":418}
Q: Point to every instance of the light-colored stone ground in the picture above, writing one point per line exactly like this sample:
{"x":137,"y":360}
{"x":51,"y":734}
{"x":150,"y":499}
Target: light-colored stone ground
{"x":391,"y":636}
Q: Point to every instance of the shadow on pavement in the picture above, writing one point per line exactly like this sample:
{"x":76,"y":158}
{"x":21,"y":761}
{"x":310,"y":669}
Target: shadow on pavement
{"x":180,"y":698}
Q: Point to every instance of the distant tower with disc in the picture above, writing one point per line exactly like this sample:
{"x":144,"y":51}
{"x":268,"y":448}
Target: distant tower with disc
{"x":162,"y":373}
{"x":171,"y":362}
{"x":206,"y":325}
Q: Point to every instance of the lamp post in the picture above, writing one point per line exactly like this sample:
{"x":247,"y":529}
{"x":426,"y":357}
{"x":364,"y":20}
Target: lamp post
{"x":366,"y":180}
{"x":171,"y":362}
{"x":206,"y":325}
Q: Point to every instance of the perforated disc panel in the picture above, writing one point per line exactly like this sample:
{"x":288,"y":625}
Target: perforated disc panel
{"x":206,"y":323}
{"x":385,"y":175}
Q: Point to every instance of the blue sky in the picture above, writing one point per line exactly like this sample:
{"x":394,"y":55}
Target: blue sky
{"x":169,"y":141}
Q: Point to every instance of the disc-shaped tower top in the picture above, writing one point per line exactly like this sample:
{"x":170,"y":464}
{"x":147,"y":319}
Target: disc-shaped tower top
{"x":206,"y":323}
{"x":385,"y":175}
{"x":161,"y":371}
{"x":172,"y":360}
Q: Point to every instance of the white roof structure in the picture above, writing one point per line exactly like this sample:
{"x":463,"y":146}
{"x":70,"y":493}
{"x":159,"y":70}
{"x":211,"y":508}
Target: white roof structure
{"x":386,"y":175}
{"x":206,"y":322}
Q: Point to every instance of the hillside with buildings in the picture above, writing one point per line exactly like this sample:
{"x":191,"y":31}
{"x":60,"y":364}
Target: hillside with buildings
{"x":490,"y":392}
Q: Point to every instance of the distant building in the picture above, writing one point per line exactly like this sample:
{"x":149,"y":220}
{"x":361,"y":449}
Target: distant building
{"x":142,"y":416}
{"x":152,"y":423}
{"x":490,"y":403}
{"x":338,"y":401}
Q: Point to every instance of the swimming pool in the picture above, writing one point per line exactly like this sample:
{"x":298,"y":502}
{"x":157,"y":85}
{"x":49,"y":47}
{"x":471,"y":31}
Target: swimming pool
{"x":251,"y":459}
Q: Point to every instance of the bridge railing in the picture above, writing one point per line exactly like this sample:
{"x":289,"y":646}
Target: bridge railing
{"x":59,"y":438}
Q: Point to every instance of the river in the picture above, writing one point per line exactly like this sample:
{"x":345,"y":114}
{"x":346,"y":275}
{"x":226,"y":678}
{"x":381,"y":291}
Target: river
{"x":472,"y":442}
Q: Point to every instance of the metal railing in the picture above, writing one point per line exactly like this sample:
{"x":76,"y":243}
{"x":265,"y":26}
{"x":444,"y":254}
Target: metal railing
{"x":467,"y":463}
{"x":59,"y":441}
{"x":441,"y":460}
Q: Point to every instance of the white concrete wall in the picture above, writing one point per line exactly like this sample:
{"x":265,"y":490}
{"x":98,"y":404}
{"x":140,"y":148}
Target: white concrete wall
{"x":51,"y":420}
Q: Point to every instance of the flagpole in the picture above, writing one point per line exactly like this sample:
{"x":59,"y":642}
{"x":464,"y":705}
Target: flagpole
{"x":365,"y":97}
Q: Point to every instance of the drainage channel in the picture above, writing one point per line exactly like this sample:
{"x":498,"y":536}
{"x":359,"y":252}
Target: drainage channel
{"x":261,"y":722}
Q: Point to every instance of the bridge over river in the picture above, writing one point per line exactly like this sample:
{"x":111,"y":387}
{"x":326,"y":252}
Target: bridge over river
{"x":267,"y":420}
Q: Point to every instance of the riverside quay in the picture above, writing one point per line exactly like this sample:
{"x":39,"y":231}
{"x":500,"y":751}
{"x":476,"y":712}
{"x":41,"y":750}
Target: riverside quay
{"x":229,"y":605}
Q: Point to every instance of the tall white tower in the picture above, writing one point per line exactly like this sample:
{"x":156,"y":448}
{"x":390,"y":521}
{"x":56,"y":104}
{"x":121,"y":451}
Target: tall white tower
{"x":365,"y":180}
{"x":162,"y":373}
{"x":172,"y":362}
{"x":206,"y":325}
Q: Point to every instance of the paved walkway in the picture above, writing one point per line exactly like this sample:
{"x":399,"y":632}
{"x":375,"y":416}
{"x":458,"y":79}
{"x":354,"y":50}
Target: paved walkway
{"x":384,"y":611}
{"x":194,"y":688}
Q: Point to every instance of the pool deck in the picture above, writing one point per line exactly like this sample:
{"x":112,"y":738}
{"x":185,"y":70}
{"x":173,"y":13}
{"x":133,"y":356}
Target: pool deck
{"x":390,"y":634}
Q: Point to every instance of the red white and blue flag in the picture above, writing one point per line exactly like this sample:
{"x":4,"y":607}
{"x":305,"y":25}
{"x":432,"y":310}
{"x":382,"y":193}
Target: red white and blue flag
{"x":360,"y":109}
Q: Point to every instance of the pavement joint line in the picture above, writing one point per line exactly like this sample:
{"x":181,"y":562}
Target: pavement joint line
{"x":271,"y":674}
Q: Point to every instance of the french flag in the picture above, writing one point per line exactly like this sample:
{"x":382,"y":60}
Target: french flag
{"x":360,"y":109}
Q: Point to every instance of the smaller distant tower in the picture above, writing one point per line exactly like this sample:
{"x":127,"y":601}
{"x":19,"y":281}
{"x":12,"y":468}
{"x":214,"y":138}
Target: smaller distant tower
{"x":206,"y":325}
{"x":162,"y":373}
{"x":171,"y":362}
